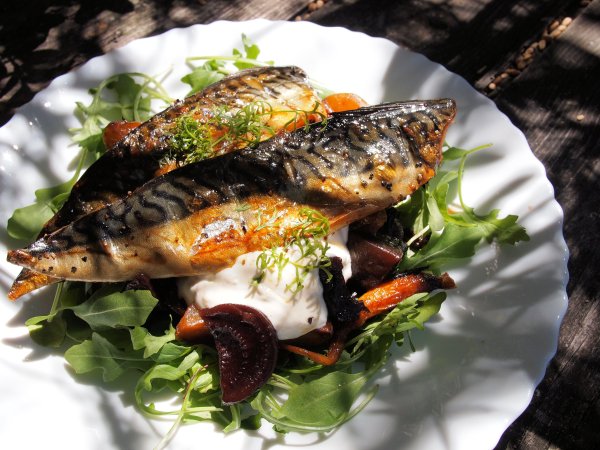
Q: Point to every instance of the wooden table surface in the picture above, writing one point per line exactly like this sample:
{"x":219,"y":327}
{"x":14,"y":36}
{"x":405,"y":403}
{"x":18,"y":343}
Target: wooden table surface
{"x":538,"y":60}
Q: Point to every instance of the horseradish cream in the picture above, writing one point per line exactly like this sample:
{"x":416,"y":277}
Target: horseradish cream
{"x":292,"y":314}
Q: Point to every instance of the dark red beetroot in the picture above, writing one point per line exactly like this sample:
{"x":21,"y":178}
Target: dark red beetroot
{"x":246,"y":345}
{"x":373,"y":259}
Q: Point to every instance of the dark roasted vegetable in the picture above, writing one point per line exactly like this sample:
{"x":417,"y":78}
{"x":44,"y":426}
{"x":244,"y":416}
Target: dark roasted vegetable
{"x":247,"y":348}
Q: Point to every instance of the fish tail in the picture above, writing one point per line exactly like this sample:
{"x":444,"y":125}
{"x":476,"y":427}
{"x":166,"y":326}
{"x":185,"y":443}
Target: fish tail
{"x":21,"y":257}
{"x":28,"y":281}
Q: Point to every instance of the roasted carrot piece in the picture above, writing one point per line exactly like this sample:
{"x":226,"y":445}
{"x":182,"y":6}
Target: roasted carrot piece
{"x":332,"y":355}
{"x":377,"y":301}
{"x":117,"y":130}
{"x":343,"y":102}
{"x":191,"y":327}
{"x":387,"y":295}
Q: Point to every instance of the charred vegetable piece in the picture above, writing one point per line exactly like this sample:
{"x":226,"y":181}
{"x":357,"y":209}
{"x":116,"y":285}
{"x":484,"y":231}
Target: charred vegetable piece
{"x":189,"y":221}
{"x":191,"y":327}
{"x":376,"y":301}
{"x":375,"y":260}
{"x":247,"y":348}
{"x":331,"y":356}
{"x":389,"y":294}
{"x":342,"y":307}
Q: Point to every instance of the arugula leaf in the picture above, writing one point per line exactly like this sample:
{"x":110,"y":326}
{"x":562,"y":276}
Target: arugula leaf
{"x":77,"y":314}
{"x":46,"y":331}
{"x":89,"y":135}
{"x":410,"y":211}
{"x":99,"y":353}
{"x":332,"y":395}
{"x":505,"y":231}
{"x":110,"y":308}
{"x":454,"y":243}
{"x":50,"y":330}
{"x":377,"y":352}
{"x":215,"y":67}
{"x":411,"y":313}
{"x":134,"y":103}
{"x":453,"y":235}
{"x":252,"y":51}
{"x":454,"y":153}
{"x":201,"y":77}
{"x":162,"y":372}
{"x":27,"y":222}
{"x":142,"y":339}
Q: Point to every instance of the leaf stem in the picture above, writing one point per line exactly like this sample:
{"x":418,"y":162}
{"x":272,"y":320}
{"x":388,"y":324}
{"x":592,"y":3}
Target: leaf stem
{"x":417,"y":236}
{"x":461,"y":169}
{"x":179,"y":420}
{"x":228,"y":58}
{"x":55,"y":301}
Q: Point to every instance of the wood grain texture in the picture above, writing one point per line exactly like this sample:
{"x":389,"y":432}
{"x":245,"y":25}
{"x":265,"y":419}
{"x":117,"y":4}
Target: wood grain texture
{"x":555,"y":102}
{"x":63,"y":34}
{"x":475,"y":39}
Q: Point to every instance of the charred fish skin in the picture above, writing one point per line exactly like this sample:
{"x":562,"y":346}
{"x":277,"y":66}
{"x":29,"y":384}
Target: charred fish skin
{"x":188,"y":221}
{"x":136,"y":159}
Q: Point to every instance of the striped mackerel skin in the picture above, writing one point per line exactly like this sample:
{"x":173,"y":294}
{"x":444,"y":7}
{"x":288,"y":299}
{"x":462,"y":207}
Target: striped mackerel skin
{"x":201,"y":217}
{"x":136,"y":159}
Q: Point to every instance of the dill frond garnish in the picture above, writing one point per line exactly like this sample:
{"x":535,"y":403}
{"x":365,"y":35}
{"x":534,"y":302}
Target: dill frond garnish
{"x":197,"y":138}
{"x":246,"y":125}
{"x":307,"y":118}
{"x":192,"y":140}
{"x":304,"y":248}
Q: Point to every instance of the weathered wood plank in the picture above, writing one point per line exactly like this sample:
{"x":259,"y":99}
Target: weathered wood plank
{"x":63,"y":35}
{"x":475,"y":39}
{"x":555,"y":102}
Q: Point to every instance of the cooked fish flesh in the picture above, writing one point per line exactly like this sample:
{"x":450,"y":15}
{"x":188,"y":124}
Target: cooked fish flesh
{"x":283,"y":92}
{"x":199,"y":218}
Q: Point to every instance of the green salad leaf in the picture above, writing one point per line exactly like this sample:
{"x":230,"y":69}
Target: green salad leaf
{"x":202,"y":76}
{"x":215,"y":68}
{"x":321,"y":403}
{"x":110,"y":307}
{"x":453,"y":243}
{"x":106,"y":308}
{"x":453,"y":233}
{"x":98,"y":353}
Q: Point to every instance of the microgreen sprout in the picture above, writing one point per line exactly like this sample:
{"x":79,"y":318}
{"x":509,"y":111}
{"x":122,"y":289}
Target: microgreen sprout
{"x":304,"y":248}
{"x":197,"y":138}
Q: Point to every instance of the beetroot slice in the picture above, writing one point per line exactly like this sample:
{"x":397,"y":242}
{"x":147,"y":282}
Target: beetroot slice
{"x":246,"y":345}
{"x":375,"y":260}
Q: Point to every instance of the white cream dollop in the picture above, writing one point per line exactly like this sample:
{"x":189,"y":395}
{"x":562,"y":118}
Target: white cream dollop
{"x":292,"y":314}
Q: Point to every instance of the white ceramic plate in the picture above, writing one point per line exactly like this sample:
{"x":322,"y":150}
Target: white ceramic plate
{"x":476,"y":364}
